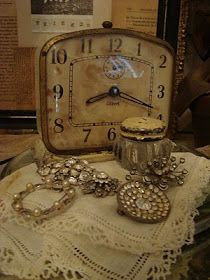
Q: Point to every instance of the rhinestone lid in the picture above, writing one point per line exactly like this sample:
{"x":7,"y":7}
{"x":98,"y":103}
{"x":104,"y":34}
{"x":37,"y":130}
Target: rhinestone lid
{"x":143,"y":203}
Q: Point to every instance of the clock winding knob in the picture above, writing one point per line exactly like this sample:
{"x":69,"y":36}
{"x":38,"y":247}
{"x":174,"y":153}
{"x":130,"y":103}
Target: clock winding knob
{"x":107,"y":24}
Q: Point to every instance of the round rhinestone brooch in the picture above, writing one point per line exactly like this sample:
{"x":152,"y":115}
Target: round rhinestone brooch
{"x":142,"y":203}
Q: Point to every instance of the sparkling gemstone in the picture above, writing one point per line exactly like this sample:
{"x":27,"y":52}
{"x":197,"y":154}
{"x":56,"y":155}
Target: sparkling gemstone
{"x":44,"y":171}
{"x":137,"y":184}
{"x":70,"y":162}
{"x":164,"y":160}
{"x":74,"y":173}
{"x":72,"y":180}
{"x":84,"y":176}
{"x":174,"y":165}
{"x":182,"y":160}
{"x":54,"y":170}
{"x":84,"y":162}
{"x":102,"y":175}
{"x":156,"y":190}
{"x":180,"y":182}
{"x":151,"y":187}
{"x":147,"y":192}
{"x":143,"y":204}
{"x":141,"y":190}
{"x":58,"y":165}
{"x":173,"y":159}
{"x":65,"y":170}
{"x":78,"y":167}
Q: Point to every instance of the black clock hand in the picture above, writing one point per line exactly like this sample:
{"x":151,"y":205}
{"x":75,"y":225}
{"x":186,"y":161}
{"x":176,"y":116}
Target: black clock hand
{"x":133,"y":99}
{"x":113,"y":92}
{"x":96,"y":98}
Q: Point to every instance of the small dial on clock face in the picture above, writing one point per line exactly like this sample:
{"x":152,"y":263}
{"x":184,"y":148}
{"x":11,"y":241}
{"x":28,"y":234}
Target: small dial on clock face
{"x":114,"y":67}
{"x":93,"y":80}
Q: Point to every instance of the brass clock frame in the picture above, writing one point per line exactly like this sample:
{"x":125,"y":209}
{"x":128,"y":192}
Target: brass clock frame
{"x":43,"y":78}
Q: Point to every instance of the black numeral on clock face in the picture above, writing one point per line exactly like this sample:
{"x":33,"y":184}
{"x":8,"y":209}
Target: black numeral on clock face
{"x":87,"y":131}
{"x":58,"y":127}
{"x":139,"y":49}
{"x":161,"y":91}
{"x":163,"y":60}
{"x":59,"y":56}
{"x":86,"y":46}
{"x":58,"y":90}
{"x":115,"y":45}
{"x":111,"y":134}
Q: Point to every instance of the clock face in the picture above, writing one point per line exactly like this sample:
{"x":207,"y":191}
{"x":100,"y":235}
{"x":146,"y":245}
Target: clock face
{"x":93,"y":80}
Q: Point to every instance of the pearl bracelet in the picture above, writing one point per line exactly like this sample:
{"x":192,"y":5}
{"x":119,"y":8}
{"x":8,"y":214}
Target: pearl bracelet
{"x":38,"y":213}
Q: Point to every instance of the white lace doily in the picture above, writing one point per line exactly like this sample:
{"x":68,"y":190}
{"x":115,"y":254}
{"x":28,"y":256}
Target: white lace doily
{"x":90,"y":237}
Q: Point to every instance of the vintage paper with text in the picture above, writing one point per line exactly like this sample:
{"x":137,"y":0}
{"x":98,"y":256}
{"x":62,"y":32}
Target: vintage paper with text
{"x":140,"y":15}
{"x":24,"y":28}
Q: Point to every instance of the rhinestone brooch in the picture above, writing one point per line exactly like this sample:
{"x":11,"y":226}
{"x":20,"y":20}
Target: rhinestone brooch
{"x":161,"y":172}
{"x":142,"y":203}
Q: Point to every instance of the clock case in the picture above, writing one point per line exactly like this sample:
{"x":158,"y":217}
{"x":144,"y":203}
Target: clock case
{"x":42,"y":112}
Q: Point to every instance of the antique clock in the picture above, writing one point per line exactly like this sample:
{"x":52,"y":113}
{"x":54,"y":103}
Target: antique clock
{"x":91,"y":80}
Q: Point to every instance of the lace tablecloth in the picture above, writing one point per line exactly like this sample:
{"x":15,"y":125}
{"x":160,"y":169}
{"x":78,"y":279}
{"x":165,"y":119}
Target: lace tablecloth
{"x":90,"y":238}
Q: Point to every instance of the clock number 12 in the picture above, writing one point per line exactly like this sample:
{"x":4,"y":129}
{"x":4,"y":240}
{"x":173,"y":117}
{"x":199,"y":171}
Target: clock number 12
{"x":115,"y":45}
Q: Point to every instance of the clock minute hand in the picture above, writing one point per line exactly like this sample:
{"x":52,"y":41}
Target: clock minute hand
{"x":133,"y":99}
{"x":96,"y":98}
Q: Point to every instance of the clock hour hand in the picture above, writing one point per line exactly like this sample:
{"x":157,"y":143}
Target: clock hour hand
{"x":113,"y":92}
{"x":96,"y":98}
{"x":133,"y":99}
